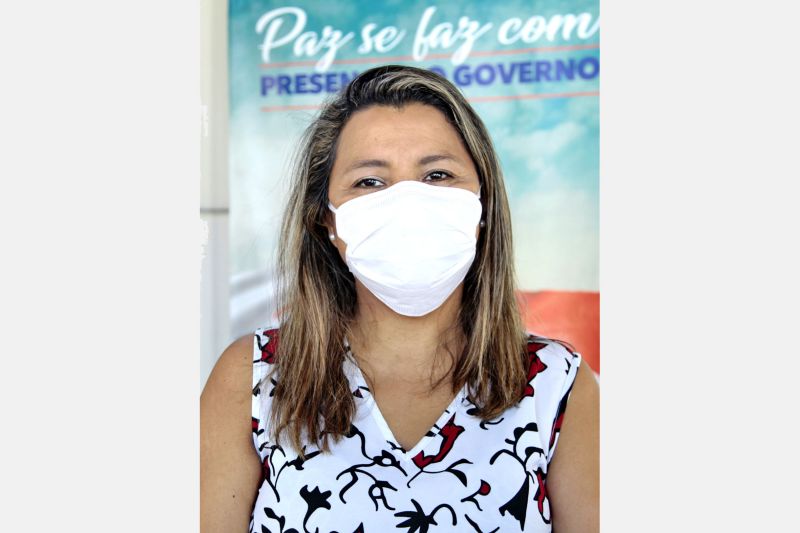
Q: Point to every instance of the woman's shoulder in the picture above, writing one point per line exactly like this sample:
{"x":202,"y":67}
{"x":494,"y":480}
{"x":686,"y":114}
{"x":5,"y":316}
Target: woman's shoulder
{"x":550,"y":360}
{"x":232,"y":372}
{"x":230,"y":396}
{"x":230,"y":467}
{"x":556,"y":379}
{"x":550,"y":347}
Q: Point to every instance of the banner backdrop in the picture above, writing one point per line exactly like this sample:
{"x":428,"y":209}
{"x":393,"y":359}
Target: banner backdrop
{"x":531,"y":71}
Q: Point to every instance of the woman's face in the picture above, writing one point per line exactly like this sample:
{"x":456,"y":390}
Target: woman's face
{"x":382,"y":145}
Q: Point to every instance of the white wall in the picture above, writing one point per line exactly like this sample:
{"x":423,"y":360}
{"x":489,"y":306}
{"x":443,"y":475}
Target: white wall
{"x":214,"y":200}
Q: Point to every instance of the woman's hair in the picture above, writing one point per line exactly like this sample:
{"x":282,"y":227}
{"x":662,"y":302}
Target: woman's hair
{"x":317,"y":294}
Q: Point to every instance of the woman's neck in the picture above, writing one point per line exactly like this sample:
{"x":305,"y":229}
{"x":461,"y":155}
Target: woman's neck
{"x":394,"y":345}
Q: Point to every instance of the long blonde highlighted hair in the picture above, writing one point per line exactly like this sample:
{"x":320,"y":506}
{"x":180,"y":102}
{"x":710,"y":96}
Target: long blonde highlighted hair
{"x":316,"y":291}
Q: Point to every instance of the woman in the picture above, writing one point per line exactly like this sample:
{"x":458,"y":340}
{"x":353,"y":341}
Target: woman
{"x":399,"y":391}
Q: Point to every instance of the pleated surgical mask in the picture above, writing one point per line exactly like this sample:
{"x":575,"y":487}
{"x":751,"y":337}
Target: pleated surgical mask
{"x":410,"y":244}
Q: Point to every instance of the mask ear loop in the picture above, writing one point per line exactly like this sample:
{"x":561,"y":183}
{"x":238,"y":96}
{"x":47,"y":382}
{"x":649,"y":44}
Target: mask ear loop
{"x":332,"y":236}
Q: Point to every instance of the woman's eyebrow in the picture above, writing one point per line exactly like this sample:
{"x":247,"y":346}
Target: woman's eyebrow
{"x":426,"y":160}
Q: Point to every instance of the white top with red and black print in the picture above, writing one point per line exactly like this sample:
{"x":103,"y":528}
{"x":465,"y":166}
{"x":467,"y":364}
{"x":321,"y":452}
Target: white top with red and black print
{"x":464,"y":475}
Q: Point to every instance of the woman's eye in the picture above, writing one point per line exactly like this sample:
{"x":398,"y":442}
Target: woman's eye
{"x":368,"y":183}
{"x":439,"y":175}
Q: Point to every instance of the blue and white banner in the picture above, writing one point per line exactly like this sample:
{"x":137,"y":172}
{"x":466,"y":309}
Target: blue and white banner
{"x":530,"y":69}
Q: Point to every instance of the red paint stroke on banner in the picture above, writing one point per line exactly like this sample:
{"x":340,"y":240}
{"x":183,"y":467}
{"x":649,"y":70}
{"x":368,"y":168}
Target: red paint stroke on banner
{"x":483,"y":53}
{"x":476,"y":99}
{"x":534,"y":96}
{"x":568,"y":316}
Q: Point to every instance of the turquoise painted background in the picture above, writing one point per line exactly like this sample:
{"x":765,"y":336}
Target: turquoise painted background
{"x":545,"y":129}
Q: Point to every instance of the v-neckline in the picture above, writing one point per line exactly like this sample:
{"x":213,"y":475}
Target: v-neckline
{"x":359,"y":383}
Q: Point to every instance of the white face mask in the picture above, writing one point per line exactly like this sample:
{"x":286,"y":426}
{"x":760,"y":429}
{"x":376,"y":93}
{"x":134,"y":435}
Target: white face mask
{"x":410,"y":244}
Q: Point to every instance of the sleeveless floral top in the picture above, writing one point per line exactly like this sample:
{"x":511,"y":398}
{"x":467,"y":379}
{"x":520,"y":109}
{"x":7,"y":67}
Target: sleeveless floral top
{"x":464,"y":475}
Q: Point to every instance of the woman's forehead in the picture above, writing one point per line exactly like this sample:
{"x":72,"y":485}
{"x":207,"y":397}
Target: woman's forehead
{"x":384,"y":133}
